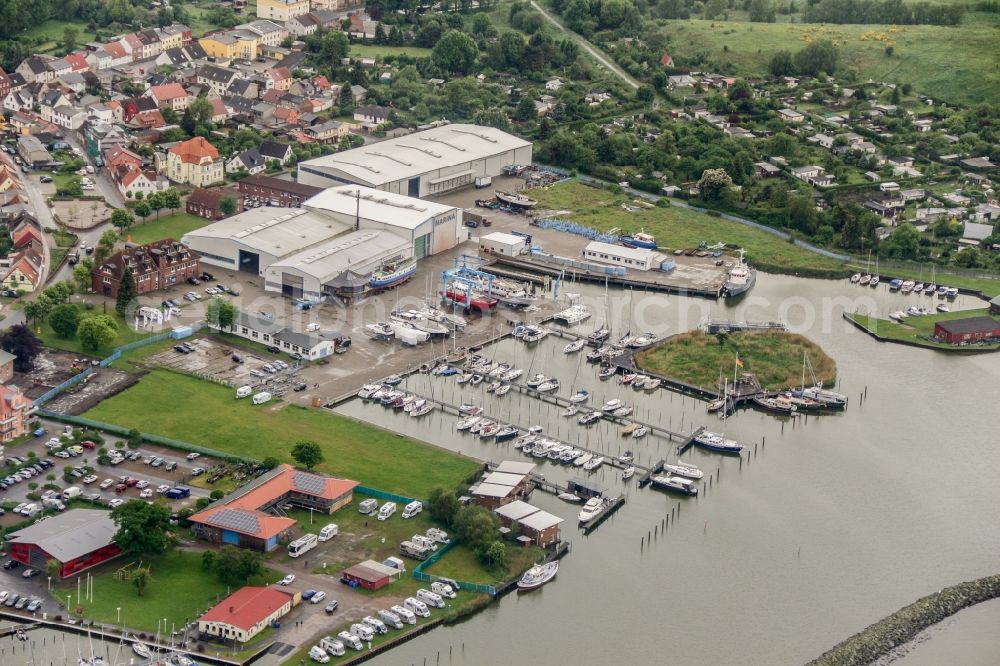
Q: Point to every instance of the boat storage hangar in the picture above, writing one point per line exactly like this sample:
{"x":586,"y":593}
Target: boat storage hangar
{"x":424,"y":163}
{"x":342,"y":234}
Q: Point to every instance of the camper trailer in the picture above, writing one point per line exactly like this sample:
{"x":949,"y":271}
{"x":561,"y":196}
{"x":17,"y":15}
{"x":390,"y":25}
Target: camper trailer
{"x":328,"y":532}
{"x":362,"y":631}
{"x":430,"y":598}
{"x":387,"y":510}
{"x":261,"y":398}
{"x":410,"y":549}
{"x":412,"y":509}
{"x":243,"y":392}
{"x":368,"y":506}
{"x":390,"y":619}
{"x":333,"y":647}
{"x":444,"y":589}
{"x":416,"y":607}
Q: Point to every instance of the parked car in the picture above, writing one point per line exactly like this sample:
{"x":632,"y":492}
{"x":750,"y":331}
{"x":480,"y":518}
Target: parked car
{"x":197,"y":471}
{"x":120,"y":488}
{"x":143,"y":484}
{"x":287,"y":580}
{"x":194,"y":281}
{"x":30,"y":573}
{"x":90,"y":478}
{"x":107,"y":483}
{"x":193,"y":455}
{"x":116,"y":502}
{"x":146,"y":493}
{"x":331,"y":607}
{"x":11,"y":564}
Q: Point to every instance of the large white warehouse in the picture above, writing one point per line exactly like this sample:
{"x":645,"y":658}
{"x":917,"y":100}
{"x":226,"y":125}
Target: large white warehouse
{"x":333,"y":244}
{"x":423,"y":163}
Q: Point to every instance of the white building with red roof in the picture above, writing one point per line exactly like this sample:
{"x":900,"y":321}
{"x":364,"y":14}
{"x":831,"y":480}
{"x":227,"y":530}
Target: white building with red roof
{"x":194,"y":161}
{"x":246,"y":612}
{"x":170,"y":96}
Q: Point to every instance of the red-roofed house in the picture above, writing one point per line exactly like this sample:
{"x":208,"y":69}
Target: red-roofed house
{"x":285,"y":116}
{"x":170,"y":96}
{"x":241,"y":518}
{"x":78,"y":61}
{"x":132,"y":180}
{"x":321,"y":82}
{"x":24,"y":272}
{"x":246,"y":612}
{"x":281,"y":78}
{"x":119,"y":56}
{"x":133,"y":45}
{"x":220,"y":111}
{"x":149,"y":119}
{"x":25,"y":236}
{"x":115,"y":156}
{"x":194,"y":161}
{"x":667,"y":60}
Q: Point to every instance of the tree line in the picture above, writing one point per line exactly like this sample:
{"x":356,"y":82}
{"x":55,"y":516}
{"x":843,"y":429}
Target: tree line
{"x":883,"y":12}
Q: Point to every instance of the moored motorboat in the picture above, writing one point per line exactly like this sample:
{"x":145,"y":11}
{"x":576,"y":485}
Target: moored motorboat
{"x":856,"y":278}
{"x":626,"y":457}
{"x":469,"y":409}
{"x":622,"y":412}
{"x":640,"y":432}
{"x":583,"y":459}
{"x":606,"y":371}
{"x":468,"y":422}
{"x":943,"y":307}
{"x":538,"y":575}
{"x":593,"y":463}
{"x":589,"y":417}
{"x":674,"y":484}
{"x":779,"y":405}
{"x":865,"y":279}
{"x":574,"y":346}
{"x":551,"y":384}
{"x":874,"y":281}
{"x":503,"y":389}
{"x":591,"y":509}
{"x":741,"y":278}
{"x":629,"y":429}
{"x":598,"y":337}
{"x":819,"y":394}
{"x":652,"y":383}
{"x":142,"y":650}
{"x":505,"y":433}
{"x":535,"y":380}
{"x":569,"y":497}
{"x":684,"y":469}
{"x":579,"y":396}
{"x":715,"y":405}
{"x":628,"y":473}
{"x":569,"y":411}
{"x":523,"y":440}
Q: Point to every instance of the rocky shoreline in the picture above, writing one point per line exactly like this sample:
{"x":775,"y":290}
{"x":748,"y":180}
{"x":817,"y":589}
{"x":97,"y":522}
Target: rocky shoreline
{"x":868,"y":645}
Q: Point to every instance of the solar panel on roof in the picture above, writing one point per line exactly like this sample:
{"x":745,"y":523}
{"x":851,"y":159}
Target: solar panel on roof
{"x":309,"y":483}
{"x":236,"y":520}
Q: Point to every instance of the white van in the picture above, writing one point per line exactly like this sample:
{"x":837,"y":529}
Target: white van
{"x":243,"y":392}
{"x":349,"y":640}
{"x":404,"y":614}
{"x":387,"y":510}
{"x":416,"y":607}
{"x":332,"y":646}
{"x":378,"y":626}
{"x":412,"y":509}
{"x":328,"y":532}
{"x":362,"y":631}
{"x":318,"y":654}
{"x":390,"y":619}
{"x":261,"y":398}
{"x":71,"y":492}
{"x":421,"y":540}
{"x":368,"y":506}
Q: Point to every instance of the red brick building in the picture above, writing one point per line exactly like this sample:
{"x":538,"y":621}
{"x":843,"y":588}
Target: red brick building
{"x":207,"y":202}
{"x":286,"y":193}
{"x":154,"y":266}
{"x":965,"y":331}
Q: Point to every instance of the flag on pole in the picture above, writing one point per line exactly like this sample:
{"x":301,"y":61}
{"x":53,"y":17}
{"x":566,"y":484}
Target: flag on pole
{"x":739,"y":361}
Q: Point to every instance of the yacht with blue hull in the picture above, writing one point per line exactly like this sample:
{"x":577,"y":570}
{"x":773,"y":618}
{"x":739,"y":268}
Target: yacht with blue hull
{"x":390,"y":276}
{"x":713,"y":442}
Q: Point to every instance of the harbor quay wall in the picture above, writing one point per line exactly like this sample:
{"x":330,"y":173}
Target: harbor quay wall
{"x":878,"y":639}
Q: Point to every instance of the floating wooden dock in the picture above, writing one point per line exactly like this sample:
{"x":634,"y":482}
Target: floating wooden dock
{"x":648,"y":476}
{"x":683,"y":448}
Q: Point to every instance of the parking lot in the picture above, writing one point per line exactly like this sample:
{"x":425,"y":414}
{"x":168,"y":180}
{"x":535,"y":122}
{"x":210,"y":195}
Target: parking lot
{"x":100,"y":483}
{"x":233,"y":366}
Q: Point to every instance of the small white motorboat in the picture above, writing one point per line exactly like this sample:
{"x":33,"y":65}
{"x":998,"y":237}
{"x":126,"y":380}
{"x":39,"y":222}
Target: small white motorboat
{"x":569,"y":497}
{"x":574,"y":346}
{"x":611,"y":405}
{"x":626,"y":458}
{"x":569,"y":411}
{"x":593,"y":463}
{"x":548,"y":386}
{"x":468,"y":422}
{"x":469,"y":409}
{"x":640,"y":432}
{"x":943,"y":307}
{"x":579,"y":396}
{"x":628,"y":473}
{"x":591,"y":509}
{"x":622,"y":412}
{"x":523,"y":440}
{"x":503,"y":389}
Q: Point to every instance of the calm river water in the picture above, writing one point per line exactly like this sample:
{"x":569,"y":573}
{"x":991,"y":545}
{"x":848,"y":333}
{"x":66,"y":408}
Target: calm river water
{"x":835,"y":522}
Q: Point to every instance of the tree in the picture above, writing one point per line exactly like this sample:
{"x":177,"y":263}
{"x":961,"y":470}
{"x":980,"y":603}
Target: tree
{"x":482,"y":26}
{"x":198,"y":114}
{"x":122,"y":219}
{"x":140,"y":576}
{"x":208,"y":560}
{"x":762,"y":11}
{"x":903,"y":243}
{"x":307,"y":453}
{"x":23,"y":344}
{"x":234,"y":566}
{"x":97,"y":331}
{"x":143,"y":210}
{"x":475,"y":526}
{"x":455,"y":52}
{"x":713,"y":184}
{"x":492,"y":117}
{"x":645,"y":93}
{"x":715,"y":8}
{"x":781,"y":64}
{"x":525,"y":109}
{"x":134,"y":438}
{"x":495,"y":554}
{"x":227,"y":205}
{"x":819,"y":56}
{"x":38,"y":308}
{"x":53,"y":568}
{"x":442,"y":505}
{"x":81,"y":274}
{"x":801,"y":214}
{"x":105,"y":245}
{"x":156,"y":202}
{"x":70,"y":35}
{"x":171,"y":199}
{"x":64,"y":319}
{"x":125,"y":301}
{"x":269,"y":463}
{"x":221,"y":313}
{"x":143,"y":529}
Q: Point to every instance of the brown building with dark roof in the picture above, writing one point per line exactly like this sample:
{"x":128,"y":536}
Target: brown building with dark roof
{"x":154,"y":266}
{"x":207,"y":202}
{"x":287,"y":193}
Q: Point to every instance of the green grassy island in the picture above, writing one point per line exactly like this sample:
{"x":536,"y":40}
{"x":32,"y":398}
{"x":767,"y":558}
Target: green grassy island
{"x":775,"y":357}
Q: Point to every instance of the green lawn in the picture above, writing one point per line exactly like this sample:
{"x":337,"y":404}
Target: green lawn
{"x":125,"y":333}
{"x":775,"y":357}
{"x":168,"y":226}
{"x":381,"y":51}
{"x":51,"y":33}
{"x":677,"y":227}
{"x":949,"y":63}
{"x":179,"y":590}
{"x":208,"y":414}
{"x":462,"y":564}
{"x":919,"y":329}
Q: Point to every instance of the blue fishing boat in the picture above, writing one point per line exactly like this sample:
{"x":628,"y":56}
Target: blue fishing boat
{"x":640,"y":240}
{"x":894,"y":285}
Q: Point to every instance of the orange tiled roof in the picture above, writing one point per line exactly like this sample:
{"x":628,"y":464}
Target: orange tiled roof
{"x":193,"y":151}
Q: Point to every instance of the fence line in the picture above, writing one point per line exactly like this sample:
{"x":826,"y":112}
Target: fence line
{"x":383,"y":494}
{"x":418,"y":572}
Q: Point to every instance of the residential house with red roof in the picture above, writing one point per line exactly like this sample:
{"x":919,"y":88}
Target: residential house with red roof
{"x":133,"y":46}
{"x":195,"y":161}
{"x":131,"y":180}
{"x":244,"y":517}
{"x":25,"y":271}
{"x":170,"y":96}
{"x":246,"y":612}
{"x":119,"y":55}
{"x":26,"y":235}
{"x":116,"y":155}
{"x":78,"y":61}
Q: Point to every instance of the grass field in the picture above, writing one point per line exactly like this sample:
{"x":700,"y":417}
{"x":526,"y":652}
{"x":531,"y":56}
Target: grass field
{"x":918,"y":330}
{"x":676,"y":227}
{"x":381,"y":51}
{"x":179,"y":589}
{"x":50,"y":339}
{"x":775,"y":357}
{"x":461,"y":564}
{"x":51,"y":33}
{"x":206,"y":413}
{"x":168,"y":226}
{"x":947,"y":63}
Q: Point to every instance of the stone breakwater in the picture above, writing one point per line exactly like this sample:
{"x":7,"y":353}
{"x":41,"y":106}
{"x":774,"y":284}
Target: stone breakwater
{"x":868,"y":645}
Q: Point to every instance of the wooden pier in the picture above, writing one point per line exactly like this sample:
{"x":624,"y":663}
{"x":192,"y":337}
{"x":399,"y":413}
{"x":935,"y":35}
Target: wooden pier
{"x":648,"y":476}
{"x":683,"y":448}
